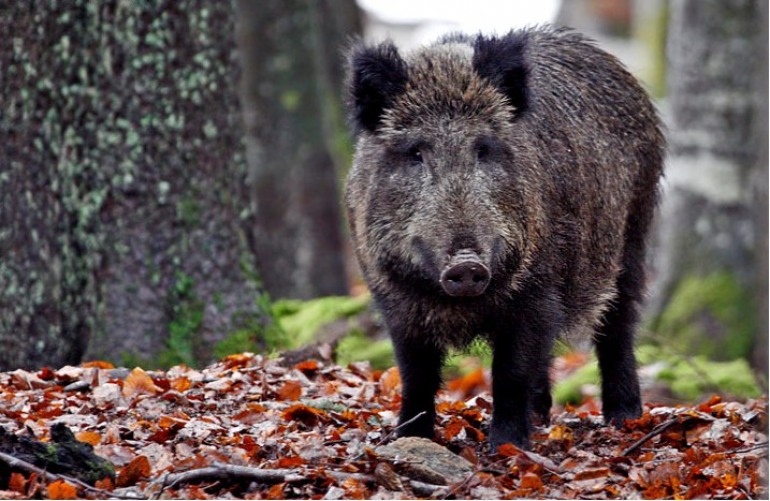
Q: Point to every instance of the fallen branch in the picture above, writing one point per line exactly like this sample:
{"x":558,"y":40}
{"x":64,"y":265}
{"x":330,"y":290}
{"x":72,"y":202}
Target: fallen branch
{"x":221,"y":472}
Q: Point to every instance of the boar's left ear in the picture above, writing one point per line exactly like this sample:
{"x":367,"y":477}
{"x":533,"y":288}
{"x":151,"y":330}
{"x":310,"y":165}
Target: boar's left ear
{"x":502,"y":61}
{"x":376,"y":75}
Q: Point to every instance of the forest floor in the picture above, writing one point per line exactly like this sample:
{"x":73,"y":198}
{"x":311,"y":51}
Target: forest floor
{"x":249,"y":427}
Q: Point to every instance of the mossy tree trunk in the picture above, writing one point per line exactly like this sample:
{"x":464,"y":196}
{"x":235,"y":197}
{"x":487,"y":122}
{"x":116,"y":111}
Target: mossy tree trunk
{"x":709,"y":232}
{"x":291,"y":58}
{"x":120,"y":204}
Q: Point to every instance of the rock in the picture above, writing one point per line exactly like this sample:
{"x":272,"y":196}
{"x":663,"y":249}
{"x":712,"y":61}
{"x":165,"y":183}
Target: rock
{"x":423,"y":460}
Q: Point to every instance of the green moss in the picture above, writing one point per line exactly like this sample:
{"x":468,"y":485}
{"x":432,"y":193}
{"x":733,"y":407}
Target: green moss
{"x":693,"y":377}
{"x":260,"y":332}
{"x":238,"y":342}
{"x":186,"y":322}
{"x":710,"y":316}
{"x":570,"y":390}
{"x":356,"y":347}
{"x":301,"y":320}
{"x":461,"y":362}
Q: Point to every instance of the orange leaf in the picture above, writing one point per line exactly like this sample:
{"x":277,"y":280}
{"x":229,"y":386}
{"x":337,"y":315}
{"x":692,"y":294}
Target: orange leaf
{"x":17,"y":483}
{"x":531,"y":481}
{"x":276,"y":491}
{"x":560,"y":433}
{"x":165,"y":422}
{"x":105,"y":484}
{"x":307,"y":367}
{"x":139,"y":382}
{"x":237,"y":360}
{"x":508,"y":450}
{"x":60,"y":489}
{"x":453,"y":428}
{"x":138,"y":469}
{"x":469,"y":383}
{"x":290,"y":462}
{"x":304,"y":414}
{"x":591,"y":473}
{"x":355,"y":489}
{"x":290,"y":390}
{"x":98,"y":364}
{"x":181,"y":384}
{"x":89,"y":437}
{"x":390,"y":381}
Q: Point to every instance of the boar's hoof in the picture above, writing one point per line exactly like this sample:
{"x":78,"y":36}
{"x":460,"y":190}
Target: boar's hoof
{"x":465,"y":275}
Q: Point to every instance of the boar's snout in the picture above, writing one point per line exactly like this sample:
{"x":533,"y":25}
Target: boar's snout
{"x":465,"y":275}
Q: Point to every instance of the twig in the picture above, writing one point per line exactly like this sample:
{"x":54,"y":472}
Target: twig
{"x":391,"y":433}
{"x":655,"y":431}
{"x":750,"y":448}
{"x":14,"y":462}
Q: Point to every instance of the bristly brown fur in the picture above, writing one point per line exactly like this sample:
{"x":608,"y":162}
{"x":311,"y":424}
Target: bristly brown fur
{"x":539,"y":155}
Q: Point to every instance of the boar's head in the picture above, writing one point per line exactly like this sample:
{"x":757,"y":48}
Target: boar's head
{"x":443,"y":195}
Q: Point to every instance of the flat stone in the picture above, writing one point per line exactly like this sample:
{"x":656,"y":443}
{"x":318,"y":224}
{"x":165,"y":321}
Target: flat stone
{"x":426,"y":461}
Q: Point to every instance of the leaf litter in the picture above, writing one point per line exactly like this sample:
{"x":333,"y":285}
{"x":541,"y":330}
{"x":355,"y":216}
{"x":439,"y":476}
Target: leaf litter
{"x":249,"y":427}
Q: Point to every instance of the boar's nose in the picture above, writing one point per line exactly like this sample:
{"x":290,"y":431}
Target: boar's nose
{"x":465,"y":275}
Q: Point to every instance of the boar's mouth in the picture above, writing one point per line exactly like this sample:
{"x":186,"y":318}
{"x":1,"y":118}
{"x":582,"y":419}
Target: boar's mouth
{"x":465,"y":275}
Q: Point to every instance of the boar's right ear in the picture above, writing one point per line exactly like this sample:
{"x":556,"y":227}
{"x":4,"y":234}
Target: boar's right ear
{"x":502,"y":61}
{"x":376,"y":76}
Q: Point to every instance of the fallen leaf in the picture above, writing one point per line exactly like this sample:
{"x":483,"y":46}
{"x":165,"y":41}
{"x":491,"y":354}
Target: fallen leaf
{"x":390,"y":382}
{"x":138,"y":469}
{"x":139,"y":382}
{"x":89,"y":437}
{"x":17,"y":483}
{"x":97,"y":364}
{"x":59,"y":489}
{"x":468,"y":384}
{"x":531,"y":481}
{"x":290,"y":390}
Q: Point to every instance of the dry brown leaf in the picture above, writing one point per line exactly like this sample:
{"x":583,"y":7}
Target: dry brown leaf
{"x":138,"y":469}
{"x":390,"y":382}
{"x":17,"y":483}
{"x":139,"y":382}
{"x":290,"y":390}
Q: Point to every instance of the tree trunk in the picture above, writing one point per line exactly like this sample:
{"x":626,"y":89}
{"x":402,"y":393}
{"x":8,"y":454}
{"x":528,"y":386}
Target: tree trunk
{"x":292,"y":120}
{"x":707,"y":265}
{"x":121,"y":204}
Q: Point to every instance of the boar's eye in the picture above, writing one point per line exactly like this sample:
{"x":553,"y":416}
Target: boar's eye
{"x":486,"y":148}
{"x":482,"y":152}
{"x":414,"y":154}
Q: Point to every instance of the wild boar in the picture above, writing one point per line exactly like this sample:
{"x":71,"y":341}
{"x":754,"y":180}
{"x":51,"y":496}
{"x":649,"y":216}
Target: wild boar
{"x":503,"y":187}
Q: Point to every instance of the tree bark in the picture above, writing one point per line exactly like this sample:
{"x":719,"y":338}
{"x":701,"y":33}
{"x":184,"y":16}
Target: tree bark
{"x":708,"y":232}
{"x":121,"y":199}
{"x":292,"y":120}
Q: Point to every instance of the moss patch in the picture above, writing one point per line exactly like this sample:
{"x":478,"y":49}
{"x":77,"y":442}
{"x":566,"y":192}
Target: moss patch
{"x":710,"y":316}
{"x":301,"y":320}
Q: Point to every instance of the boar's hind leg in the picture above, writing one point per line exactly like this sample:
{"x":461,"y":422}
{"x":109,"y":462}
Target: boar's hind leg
{"x":615,"y":339}
{"x":520,"y":366}
{"x":420,"y":367}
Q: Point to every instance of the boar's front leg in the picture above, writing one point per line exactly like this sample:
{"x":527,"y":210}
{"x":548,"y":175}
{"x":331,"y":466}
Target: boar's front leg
{"x":520,"y":366}
{"x":419,"y":362}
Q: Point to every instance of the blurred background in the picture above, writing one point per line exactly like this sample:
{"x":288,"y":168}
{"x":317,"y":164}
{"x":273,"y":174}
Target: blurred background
{"x":170,"y":180}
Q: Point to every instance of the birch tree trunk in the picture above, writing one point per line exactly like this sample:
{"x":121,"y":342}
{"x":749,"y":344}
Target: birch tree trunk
{"x":710,"y":236}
